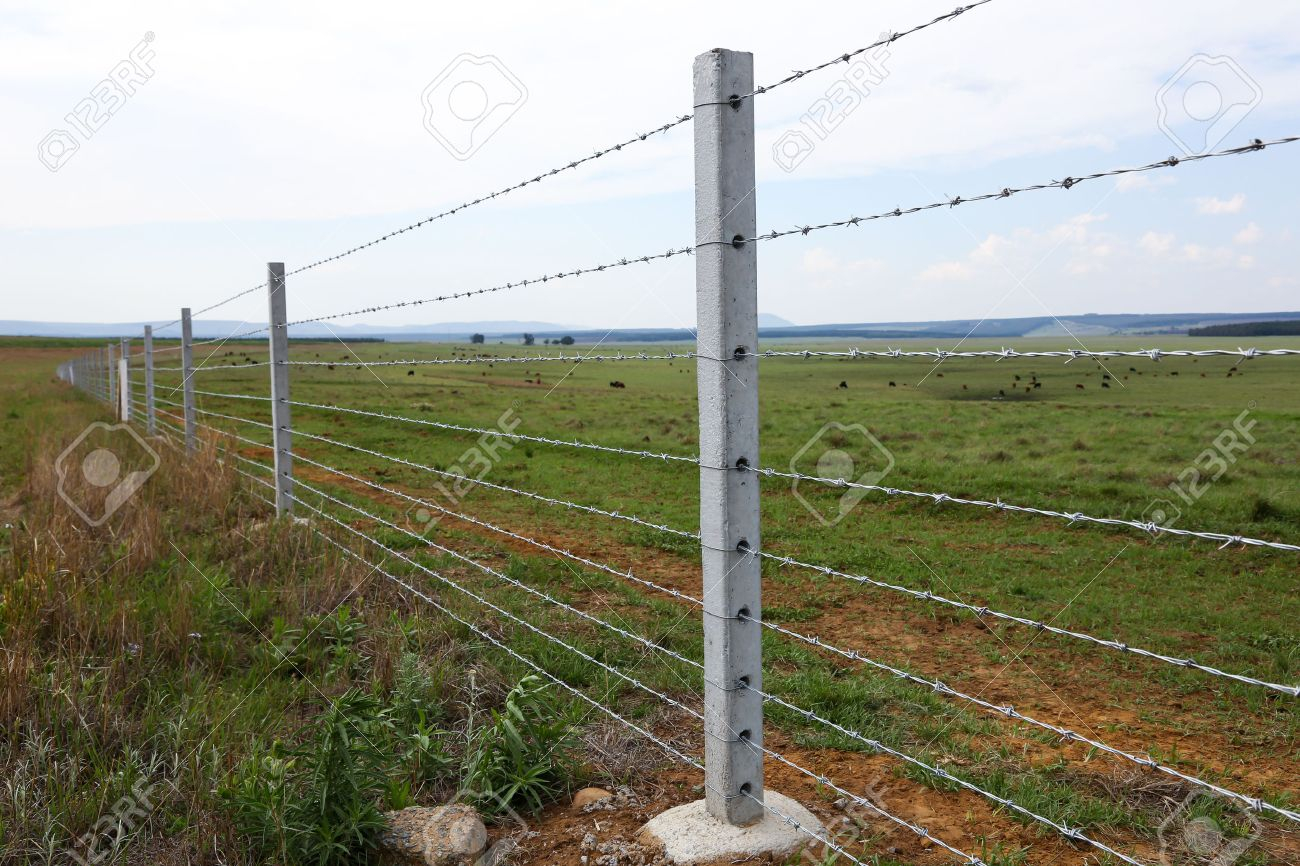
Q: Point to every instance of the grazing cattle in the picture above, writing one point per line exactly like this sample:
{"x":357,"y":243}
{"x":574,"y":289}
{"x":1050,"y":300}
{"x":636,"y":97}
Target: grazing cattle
{"x":963,"y":387}
{"x":410,"y":372}
{"x":1229,"y":375}
{"x":1079,"y":386}
{"x":1232,"y":369}
{"x":1105,"y":375}
{"x":1038,"y":384}
{"x":1002,"y":393}
{"x":893,"y":384}
{"x":1105,"y":384}
{"x":1017,"y":378}
{"x":1132,"y":369}
{"x":1174,"y":373}
{"x":844,"y":384}
{"x":617,"y":384}
{"x":1028,"y":389}
{"x":938,"y":375}
{"x":329,"y":366}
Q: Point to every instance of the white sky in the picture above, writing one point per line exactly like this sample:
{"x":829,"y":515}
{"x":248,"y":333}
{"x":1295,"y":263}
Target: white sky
{"x":290,"y":131}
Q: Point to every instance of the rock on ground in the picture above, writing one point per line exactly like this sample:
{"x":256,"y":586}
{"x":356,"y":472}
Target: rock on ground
{"x":433,"y":835}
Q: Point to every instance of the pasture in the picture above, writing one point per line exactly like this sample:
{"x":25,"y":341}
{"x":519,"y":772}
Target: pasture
{"x":974,"y":428}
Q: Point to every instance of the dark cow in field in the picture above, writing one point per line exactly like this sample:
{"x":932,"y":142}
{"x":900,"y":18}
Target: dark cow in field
{"x":617,"y":384}
{"x":844,"y":384}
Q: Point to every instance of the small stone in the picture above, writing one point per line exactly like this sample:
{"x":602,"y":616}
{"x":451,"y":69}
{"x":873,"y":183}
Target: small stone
{"x":433,"y":836}
{"x":587,"y":796}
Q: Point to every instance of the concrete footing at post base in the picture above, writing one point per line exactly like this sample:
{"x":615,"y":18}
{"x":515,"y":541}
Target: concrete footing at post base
{"x":689,"y":835}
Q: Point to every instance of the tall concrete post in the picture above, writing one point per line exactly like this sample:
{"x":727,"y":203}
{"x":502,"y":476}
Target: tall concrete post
{"x":124,"y":378}
{"x":187,"y":380}
{"x":726,"y":303}
{"x":150,"y":414}
{"x":279,"y":344}
{"x":110,"y":375}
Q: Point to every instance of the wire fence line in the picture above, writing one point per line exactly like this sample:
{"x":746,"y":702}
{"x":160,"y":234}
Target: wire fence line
{"x":1008,"y":191}
{"x":1002,"y":710}
{"x":784,"y":560}
{"x":1243,"y":354}
{"x":876,"y":745}
{"x":724,"y":462}
{"x":1150,"y":527}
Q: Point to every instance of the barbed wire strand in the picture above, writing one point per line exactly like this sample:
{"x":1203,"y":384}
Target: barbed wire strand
{"x":1150,"y":527}
{"x":575,"y":163}
{"x":937,"y":354}
{"x":628,"y":575}
{"x":1007,"y":192}
{"x":1006,"y":711}
{"x":1072,"y":833}
{"x":827,"y":570}
{"x":1005,"y":353}
{"x":609,"y":669}
{"x":981,"y":612}
{"x":487,"y":569}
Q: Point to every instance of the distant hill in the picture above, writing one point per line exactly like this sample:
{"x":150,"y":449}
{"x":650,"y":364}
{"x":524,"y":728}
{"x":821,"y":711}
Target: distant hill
{"x":770,"y":327}
{"x":1290,"y":328}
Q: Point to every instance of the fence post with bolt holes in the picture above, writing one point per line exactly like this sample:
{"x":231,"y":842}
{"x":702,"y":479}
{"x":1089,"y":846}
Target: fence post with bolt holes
{"x":187,"y":379}
{"x":726,"y":303}
{"x":124,"y":379}
{"x":110,"y":383}
{"x":150,"y":418}
{"x":279,"y":345}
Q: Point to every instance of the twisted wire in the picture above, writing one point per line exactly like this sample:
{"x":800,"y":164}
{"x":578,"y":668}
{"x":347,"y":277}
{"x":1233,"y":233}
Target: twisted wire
{"x":1004,"y":354}
{"x":1008,"y":711}
{"x":415,"y":302}
{"x":537,"y":497}
{"x":982,"y":612}
{"x":443,"y":425}
{"x":486,"y":569}
{"x":1150,"y":527}
{"x":1007,"y":192}
{"x":671,"y":750}
{"x":496,"y":608}
{"x":849,"y":55}
{"x":1073,"y":833}
{"x":681,"y":596}
{"x":575,"y":358}
{"x":609,"y":669}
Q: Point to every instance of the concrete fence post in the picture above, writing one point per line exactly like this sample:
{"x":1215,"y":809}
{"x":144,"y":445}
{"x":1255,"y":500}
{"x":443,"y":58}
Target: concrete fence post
{"x":124,"y":378}
{"x":187,"y":381}
{"x":110,"y":375}
{"x":282,"y":432}
{"x":726,"y":299}
{"x":150,"y":415}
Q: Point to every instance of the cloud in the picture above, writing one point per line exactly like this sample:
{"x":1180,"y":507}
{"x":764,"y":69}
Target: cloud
{"x":945,"y":271}
{"x":1249,"y":235}
{"x":1214,"y":206}
{"x":1157,"y":243}
{"x":1134,"y":182}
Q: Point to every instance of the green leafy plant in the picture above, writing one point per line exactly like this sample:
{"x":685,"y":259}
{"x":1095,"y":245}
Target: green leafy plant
{"x":523,"y":756}
{"x":316,"y":804}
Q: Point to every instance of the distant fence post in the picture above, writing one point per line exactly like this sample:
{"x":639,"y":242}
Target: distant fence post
{"x":726,"y":298}
{"x":110,"y":375}
{"x":124,"y":379}
{"x":281,"y":434}
{"x":187,"y":381}
{"x":150,"y":417}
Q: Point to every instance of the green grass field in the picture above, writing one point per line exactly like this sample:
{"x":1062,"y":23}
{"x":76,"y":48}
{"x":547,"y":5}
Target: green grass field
{"x":971,"y":428}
